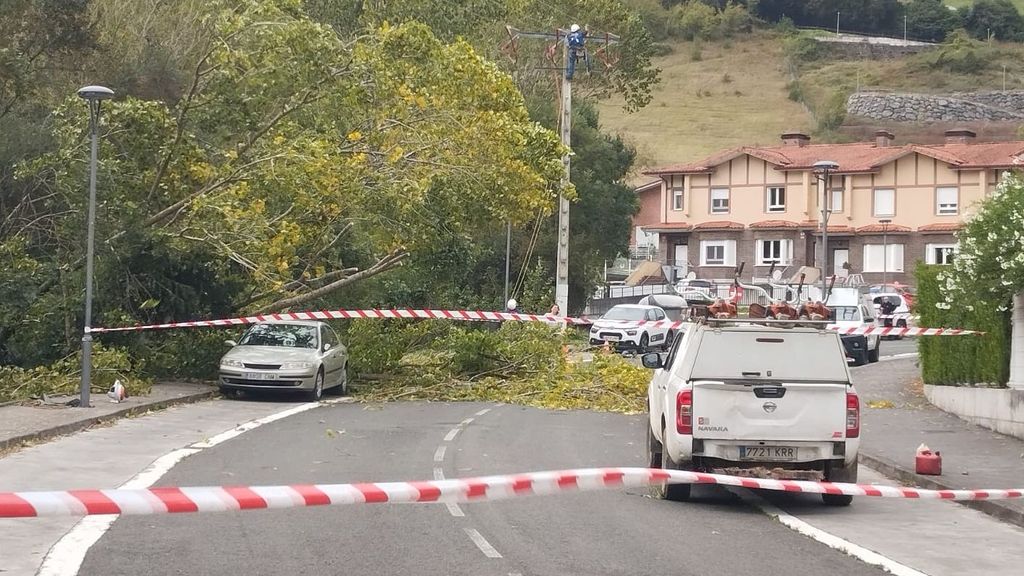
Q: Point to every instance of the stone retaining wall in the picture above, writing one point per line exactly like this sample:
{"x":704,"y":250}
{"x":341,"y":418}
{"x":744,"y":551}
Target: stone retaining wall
{"x":958,"y":107}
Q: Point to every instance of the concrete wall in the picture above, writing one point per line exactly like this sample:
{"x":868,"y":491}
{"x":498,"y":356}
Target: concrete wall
{"x":998,"y":409}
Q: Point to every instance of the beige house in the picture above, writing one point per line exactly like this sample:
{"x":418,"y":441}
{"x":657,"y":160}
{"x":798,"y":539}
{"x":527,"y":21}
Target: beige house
{"x":891,"y":206}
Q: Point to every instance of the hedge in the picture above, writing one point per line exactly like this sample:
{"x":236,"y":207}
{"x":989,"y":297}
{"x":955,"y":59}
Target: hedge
{"x":961,"y":360}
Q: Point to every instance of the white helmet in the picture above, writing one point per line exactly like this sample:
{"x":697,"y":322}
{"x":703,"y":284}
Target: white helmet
{"x":512,"y":303}
{"x":574,"y":28}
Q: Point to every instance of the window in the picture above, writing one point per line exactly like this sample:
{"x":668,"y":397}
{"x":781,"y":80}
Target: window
{"x":874,"y":261}
{"x":719,"y":200}
{"x":677,"y":198}
{"x":885,"y":202}
{"x":659,"y":315}
{"x":776,"y":199}
{"x":939,"y":253}
{"x":718,"y":253}
{"x":947,"y":201}
{"x":777,"y":251}
{"x":837,"y":201}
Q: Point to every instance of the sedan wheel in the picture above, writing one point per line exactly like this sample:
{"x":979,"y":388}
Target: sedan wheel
{"x":645,"y":342}
{"x":318,"y":387}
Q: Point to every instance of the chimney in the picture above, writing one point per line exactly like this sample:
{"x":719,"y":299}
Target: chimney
{"x":883,"y":138}
{"x":960,"y":136}
{"x":795,"y":139}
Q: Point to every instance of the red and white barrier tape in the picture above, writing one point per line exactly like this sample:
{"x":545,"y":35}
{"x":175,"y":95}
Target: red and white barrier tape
{"x":226,"y":498}
{"x":477,"y":315}
{"x":402,"y":313}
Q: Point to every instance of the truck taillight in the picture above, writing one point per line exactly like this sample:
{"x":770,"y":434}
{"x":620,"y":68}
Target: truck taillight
{"x":852,"y":415}
{"x":684,"y":412}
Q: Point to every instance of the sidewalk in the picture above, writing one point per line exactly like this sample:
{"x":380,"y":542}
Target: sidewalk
{"x":972,"y":457}
{"x":24,"y":423}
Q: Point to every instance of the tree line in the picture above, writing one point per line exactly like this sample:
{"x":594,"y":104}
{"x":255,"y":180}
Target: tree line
{"x":285,"y":154}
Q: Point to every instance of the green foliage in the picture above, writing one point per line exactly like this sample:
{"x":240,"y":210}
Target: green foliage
{"x":801,"y":49}
{"x":931,"y":20}
{"x":1000,"y":18}
{"x":964,"y":359}
{"x":699,"y":20}
{"x":517,"y":363}
{"x":64,"y":376}
{"x":865,"y":16}
{"x":959,"y":54}
{"x":833,"y":113}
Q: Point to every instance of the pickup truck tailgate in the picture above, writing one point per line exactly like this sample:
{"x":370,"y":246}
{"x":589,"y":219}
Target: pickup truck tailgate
{"x":751,"y":410}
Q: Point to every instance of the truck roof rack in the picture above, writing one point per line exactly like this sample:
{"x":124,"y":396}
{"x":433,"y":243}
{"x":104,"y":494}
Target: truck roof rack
{"x":818,"y":324}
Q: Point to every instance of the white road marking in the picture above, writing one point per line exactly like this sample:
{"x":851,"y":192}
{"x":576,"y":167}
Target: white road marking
{"x":484,"y":411}
{"x":830,"y":540}
{"x":439,"y":455}
{"x":452,"y":434}
{"x":482,"y":543}
{"x":453,"y":508}
{"x":466,"y":422}
{"x":66,"y":556}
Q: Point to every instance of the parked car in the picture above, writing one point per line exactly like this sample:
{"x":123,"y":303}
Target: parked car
{"x":304,"y":356}
{"x":615,"y":329}
{"x":892,"y":308}
{"x":735,"y":398}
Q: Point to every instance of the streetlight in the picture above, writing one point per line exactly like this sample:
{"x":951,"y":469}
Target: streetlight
{"x":93,"y":95}
{"x":837,"y":23}
{"x":822,"y":169}
{"x":885,"y":251}
{"x":508,"y":256}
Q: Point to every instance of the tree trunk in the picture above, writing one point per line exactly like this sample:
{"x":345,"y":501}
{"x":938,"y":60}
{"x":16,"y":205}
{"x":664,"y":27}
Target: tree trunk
{"x":1017,"y":343}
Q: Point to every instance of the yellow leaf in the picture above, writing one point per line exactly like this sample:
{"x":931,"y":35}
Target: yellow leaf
{"x":354,"y":136}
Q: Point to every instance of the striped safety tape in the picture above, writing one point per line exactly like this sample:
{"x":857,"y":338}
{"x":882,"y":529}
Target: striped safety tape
{"x":478,"y":315}
{"x":226,"y":498}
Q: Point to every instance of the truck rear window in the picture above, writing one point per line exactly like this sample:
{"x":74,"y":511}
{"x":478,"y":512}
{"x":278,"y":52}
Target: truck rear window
{"x":775,"y":355}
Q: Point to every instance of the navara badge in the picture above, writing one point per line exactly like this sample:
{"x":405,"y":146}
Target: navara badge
{"x":769,"y":407}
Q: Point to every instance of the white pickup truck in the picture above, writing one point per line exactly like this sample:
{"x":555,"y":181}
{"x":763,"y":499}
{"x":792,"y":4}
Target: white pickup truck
{"x":760,"y":400}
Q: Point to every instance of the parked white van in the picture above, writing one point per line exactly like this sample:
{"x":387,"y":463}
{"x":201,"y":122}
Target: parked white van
{"x":852,"y":308}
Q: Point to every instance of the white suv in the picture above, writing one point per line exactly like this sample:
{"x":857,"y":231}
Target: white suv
{"x":738,"y":398}
{"x":619,"y":327}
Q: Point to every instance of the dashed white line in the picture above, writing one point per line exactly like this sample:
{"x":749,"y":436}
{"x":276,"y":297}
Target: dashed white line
{"x":484,"y":411}
{"x":466,"y":422}
{"x":453,"y":508}
{"x":439,"y":455}
{"x":830,"y":540}
{"x":452,"y":434}
{"x":482,"y":543}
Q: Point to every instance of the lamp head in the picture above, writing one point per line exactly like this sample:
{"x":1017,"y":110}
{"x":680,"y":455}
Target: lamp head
{"x":825,"y":166}
{"x":95,"y":93}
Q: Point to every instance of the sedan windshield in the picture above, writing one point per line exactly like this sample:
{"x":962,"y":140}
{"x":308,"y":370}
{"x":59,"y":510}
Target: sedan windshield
{"x":287,"y":335}
{"x":625,"y":314}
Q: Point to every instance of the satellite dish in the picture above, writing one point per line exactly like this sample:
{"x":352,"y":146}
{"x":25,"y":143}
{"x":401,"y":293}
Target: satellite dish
{"x":691,"y":275}
{"x":776,"y":275}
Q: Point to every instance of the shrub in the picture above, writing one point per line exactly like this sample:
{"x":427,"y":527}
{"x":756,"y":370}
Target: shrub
{"x":802,"y":49}
{"x":695,"y":20}
{"x":960,"y":360}
{"x":64,"y":376}
{"x":833,"y":113}
{"x":959,"y":54}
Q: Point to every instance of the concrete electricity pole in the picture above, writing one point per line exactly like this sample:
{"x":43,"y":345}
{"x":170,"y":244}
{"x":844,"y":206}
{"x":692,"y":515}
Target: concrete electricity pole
{"x":603,"y":40}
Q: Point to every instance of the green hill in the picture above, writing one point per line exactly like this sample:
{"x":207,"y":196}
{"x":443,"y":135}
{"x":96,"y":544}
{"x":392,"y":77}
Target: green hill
{"x":748,"y":90}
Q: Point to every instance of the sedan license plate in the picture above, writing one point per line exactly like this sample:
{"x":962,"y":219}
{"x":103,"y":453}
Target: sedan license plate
{"x":767,"y":453}
{"x":260,"y":376}
{"x":612,"y":338}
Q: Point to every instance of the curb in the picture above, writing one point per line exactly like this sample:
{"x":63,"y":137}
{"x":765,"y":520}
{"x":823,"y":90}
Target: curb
{"x":994,"y":508}
{"x":79,"y":425}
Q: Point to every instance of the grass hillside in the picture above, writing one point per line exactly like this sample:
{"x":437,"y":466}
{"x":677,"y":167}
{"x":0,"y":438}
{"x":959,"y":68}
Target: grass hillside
{"x":734,"y":94}
{"x":716,"y":95}
{"x":965,"y":3}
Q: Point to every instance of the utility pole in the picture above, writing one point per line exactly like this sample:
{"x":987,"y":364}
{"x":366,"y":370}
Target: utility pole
{"x":602,"y":40}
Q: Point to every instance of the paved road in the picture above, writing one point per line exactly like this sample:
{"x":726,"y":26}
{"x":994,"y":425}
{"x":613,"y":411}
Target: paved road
{"x":586,"y":533}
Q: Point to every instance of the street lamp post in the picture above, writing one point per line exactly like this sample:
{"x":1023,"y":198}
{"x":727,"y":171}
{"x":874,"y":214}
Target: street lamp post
{"x":885,"y":251}
{"x":508,"y":256}
{"x":837,"y":23}
{"x":823,"y":169}
{"x":93,"y":95}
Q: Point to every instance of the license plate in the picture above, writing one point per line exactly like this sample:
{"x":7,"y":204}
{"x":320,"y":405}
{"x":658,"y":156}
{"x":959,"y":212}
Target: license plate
{"x":767,"y":453}
{"x":612,"y":338}
{"x":260,"y":376}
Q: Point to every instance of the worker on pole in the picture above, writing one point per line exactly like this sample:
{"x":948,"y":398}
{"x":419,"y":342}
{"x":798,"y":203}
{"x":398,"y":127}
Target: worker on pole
{"x":577,"y":40}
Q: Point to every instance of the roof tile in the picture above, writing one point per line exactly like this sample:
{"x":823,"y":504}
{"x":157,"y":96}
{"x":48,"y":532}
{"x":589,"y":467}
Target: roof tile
{"x":719,"y":225}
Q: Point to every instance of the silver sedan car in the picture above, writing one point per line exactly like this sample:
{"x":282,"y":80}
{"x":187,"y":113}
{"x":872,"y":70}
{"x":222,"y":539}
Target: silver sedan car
{"x":297,"y":355}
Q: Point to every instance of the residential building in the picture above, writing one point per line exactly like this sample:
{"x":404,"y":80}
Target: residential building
{"x":891,"y":205}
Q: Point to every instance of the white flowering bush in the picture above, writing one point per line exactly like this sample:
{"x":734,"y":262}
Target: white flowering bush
{"x":975,"y":293}
{"x":990,"y":264}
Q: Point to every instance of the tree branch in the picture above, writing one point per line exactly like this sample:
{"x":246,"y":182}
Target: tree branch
{"x":392,"y":260}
